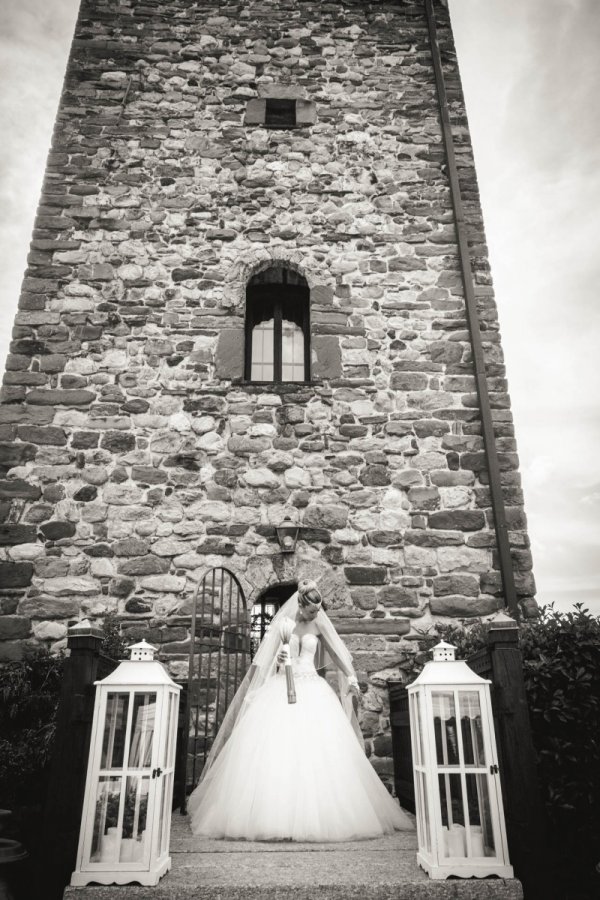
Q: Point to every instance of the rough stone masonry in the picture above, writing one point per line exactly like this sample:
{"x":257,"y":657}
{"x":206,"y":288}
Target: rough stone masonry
{"x":134,"y":456}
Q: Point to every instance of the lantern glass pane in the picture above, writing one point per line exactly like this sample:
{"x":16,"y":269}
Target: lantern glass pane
{"x":444,"y":723}
{"x":142,"y":730}
{"x":426,"y":824}
{"x":174,"y":716}
{"x":416,"y":700}
{"x":168,"y":760}
{"x":174,"y":722}
{"x":135,"y":813}
{"x":420,"y":813}
{"x":414,"y":728}
{"x":163,"y":830}
{"x":115,"y":723}
{"x":453,"y":815}
{"x":105,"y":842}
{"x":480,"y":816}
{"x":472,"y":728}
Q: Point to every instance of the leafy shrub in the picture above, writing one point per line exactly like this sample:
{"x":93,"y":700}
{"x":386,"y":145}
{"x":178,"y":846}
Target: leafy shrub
{"x":29,"y":692}
{"x":113,"y":644}
{"x":561,"y":660}
{"x":561,"y":664}
{"x":29,"y":695}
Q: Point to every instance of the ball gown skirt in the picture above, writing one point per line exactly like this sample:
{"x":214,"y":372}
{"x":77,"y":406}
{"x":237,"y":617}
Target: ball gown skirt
{"x":295,"y":772}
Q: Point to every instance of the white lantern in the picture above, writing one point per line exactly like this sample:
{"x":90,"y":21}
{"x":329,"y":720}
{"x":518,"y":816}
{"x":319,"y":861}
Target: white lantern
{"x":126,"y":816}
{"x":460,"y":817}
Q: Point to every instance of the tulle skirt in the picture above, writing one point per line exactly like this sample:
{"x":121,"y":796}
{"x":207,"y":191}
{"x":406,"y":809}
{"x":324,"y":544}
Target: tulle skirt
{"x":294,"y":772}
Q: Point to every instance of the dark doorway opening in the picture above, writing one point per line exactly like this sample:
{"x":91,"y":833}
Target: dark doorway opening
{"x":264,"y":609}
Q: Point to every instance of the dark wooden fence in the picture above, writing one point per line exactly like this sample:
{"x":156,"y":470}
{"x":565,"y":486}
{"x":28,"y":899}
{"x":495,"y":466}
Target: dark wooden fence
{"x":401,"y":746}
{"x":56,"y":854}
{"x":501,"y":662}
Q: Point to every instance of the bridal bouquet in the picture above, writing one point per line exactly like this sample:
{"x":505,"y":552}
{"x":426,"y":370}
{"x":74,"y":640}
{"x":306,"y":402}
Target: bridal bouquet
{"x":285,"y":632}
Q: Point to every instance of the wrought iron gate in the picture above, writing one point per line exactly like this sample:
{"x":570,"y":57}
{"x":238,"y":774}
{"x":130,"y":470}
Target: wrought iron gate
{"x":219,"y":656}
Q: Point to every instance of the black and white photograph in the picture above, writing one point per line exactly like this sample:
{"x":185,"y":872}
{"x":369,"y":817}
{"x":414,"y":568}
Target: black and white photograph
{"x":299,"y":478}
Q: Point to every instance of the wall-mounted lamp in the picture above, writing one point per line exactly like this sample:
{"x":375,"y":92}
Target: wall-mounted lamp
{"x":287,"y":535}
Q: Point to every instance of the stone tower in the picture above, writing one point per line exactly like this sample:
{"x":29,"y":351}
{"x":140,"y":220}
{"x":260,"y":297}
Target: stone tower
{"x":258,"y":288}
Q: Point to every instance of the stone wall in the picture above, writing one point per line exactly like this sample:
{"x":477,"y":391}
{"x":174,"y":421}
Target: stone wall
{"x":134,"y":456}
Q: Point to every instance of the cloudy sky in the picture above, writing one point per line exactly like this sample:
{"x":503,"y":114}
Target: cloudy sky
{"x":531,"y":74}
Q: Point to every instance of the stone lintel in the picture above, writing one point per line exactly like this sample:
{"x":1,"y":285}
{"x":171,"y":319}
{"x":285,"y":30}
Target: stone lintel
{"x":373,"y":626}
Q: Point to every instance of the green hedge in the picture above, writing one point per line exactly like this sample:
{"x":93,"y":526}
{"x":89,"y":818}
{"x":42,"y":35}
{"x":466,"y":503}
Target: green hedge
{"x":561,"y":663}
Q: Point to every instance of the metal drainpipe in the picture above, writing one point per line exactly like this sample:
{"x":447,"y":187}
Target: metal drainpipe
{"x":489,"y":441}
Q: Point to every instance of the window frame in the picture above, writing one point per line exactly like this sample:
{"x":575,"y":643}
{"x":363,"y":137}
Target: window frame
{"x":274,"y":292}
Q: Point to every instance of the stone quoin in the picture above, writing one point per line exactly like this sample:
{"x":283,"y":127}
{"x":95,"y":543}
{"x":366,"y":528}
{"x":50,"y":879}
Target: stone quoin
{"x":135,"y":452}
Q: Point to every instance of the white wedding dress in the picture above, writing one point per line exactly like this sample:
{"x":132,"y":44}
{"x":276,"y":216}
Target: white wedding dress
{"x":294,"y":771}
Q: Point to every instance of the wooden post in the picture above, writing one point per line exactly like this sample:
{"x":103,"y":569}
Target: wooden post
{"x":401,"y":745}
{"x":525,"y":815}
{"x":64,"y":799}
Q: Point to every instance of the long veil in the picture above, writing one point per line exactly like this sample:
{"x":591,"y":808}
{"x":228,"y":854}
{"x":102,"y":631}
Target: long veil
{"x":263,"y":667}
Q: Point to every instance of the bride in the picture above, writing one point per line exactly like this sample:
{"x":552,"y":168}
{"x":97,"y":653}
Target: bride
{"x":294,"y":771}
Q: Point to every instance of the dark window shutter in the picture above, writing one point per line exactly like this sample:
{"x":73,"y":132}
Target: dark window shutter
{"x":229,"y":356}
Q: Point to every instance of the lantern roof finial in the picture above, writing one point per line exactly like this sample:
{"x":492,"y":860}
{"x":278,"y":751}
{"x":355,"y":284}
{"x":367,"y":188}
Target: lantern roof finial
{"x":444,"y":670}
{"x":142,"y":651}
{"x":444,"y":652}
{"x":132,"y":673}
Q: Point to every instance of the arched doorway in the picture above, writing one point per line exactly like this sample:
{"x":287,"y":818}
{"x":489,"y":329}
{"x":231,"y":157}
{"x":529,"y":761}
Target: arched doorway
{"x":218,"y":658}
{"x":265,"y":607}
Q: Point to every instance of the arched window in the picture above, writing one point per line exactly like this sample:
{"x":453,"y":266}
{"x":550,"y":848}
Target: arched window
{"x":277,"y":327}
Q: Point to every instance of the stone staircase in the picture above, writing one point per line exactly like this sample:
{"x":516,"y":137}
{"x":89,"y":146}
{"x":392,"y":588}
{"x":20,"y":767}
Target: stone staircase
{"x":382,"y":869}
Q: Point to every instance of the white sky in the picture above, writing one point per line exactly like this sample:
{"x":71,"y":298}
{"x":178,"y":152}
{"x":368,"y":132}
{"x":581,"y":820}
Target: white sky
{"x":531,"y":75}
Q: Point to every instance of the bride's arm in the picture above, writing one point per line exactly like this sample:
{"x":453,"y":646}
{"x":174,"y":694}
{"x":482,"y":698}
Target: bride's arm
{"x":343,"y":666}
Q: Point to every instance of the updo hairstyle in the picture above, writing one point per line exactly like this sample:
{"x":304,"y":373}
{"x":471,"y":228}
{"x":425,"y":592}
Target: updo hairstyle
{"x":308,"y":593}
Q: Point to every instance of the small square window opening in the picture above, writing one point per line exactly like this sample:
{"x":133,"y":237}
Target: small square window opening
{"x":280,"y":113}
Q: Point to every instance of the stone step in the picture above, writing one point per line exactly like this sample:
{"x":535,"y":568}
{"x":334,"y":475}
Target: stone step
{"x":382,"y":869}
